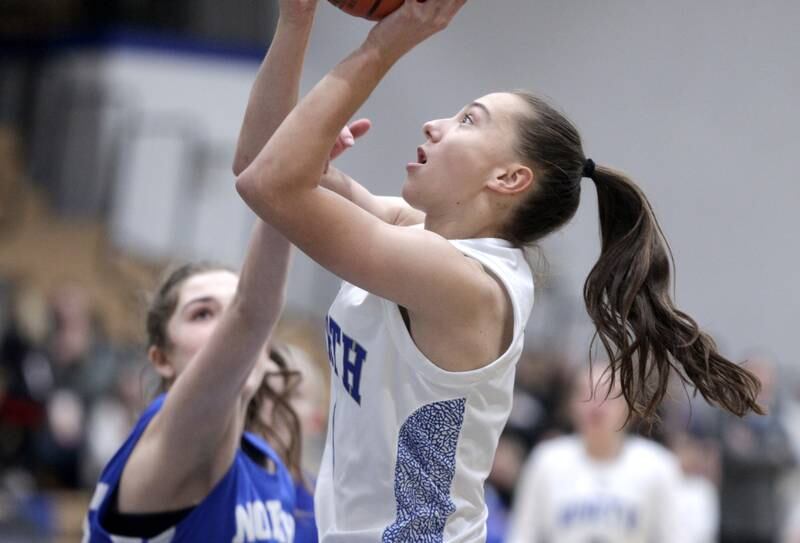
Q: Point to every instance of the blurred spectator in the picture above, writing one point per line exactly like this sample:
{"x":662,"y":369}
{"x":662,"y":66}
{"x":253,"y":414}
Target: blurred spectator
{"x":498,"y":489}
{"x":601,"y":485}
{"x":698,"y":497}
{"x":791,"y":422}
{"x":539,"y":411}
{"x":756,"y":455}
{"x":24,"y":379}
{"x":112,"y":416}
{"x":54,"y":364}
{"x":81,"y":368}
{"x":308,"y":401}
{"x":81,"y":358}
{"x":497,"y":520}
{"x":308,"y":355}
{"x":791,"y":533}
{"x":536,"y":414}
{"x":307,"y":358}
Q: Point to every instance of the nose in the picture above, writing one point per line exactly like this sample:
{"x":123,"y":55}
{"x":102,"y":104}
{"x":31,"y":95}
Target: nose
{"x":432,"y":131}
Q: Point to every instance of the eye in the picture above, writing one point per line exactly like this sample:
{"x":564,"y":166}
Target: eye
{"x":467,"y":119}
{"x":201,"y":314}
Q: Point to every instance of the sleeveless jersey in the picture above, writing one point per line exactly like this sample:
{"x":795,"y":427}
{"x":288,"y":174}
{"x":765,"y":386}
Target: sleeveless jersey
{"x":409,"y":444}
{"x":564,"y":496}
{"x":248,"y":504}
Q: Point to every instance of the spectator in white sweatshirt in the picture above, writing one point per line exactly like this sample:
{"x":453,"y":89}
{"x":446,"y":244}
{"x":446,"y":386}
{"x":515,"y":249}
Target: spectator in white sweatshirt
{"x":600,"y":485}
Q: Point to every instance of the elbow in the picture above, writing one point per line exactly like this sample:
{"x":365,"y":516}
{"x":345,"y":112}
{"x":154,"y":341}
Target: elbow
{"x":258,"y":184}
{"x":240,"y":163}
{"x":245,"y":186}
{"x":253,"y":189}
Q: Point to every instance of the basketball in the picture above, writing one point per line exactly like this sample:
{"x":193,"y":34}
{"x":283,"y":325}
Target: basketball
{"x":374,"y":10}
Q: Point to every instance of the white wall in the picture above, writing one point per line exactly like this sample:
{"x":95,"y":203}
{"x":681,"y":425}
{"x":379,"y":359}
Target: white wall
{"x":696,"y":100}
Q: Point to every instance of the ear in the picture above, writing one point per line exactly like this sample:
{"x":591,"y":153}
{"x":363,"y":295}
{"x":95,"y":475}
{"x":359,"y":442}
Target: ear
{"x":512,"y":180}
{"x":161,"y":363}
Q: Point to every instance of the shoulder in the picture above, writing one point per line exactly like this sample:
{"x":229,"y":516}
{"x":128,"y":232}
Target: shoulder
{"x":647,"y":449}
{"x":556,"y":452}
{"x":499,"y":255}
{"x":508,"y":265}
{"x":471,"y":282}
{"x":550,"y":461}
{"x":652,"y":457}
{"x":278,"y":473}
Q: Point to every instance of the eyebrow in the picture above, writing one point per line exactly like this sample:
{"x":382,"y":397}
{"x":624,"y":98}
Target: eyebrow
{"x":202,"y":299}
{"x":481,"y":106}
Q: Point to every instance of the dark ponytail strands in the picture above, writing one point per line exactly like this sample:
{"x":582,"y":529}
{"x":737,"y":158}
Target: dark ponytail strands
{"x":643,"y":333}
{"x":627,"y":291}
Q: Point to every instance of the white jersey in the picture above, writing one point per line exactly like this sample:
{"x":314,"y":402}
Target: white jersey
{"x":409,"y":444}
{"x":698,"y":510}
{"x":564,"y":496}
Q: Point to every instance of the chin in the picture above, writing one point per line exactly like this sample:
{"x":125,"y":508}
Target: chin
{"x":410,"y":195}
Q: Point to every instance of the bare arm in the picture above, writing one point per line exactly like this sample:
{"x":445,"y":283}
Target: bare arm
{"x":191,"y":442}
{"x":274,"y":95}
{"x":390,"y":209}
{"x":277,"y":85}
{"x":282,"y":186}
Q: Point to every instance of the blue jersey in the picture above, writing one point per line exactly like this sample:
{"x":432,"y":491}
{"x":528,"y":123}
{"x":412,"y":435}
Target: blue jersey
{"x":248,"y":504}
{"x":305,"y":526}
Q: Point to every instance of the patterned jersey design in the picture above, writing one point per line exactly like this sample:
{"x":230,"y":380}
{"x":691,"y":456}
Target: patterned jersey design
{"x":426,"y":464}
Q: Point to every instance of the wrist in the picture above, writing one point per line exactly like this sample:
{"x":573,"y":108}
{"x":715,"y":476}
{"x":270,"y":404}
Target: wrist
{"x":297,"y":21}
{"x":380,"y":53}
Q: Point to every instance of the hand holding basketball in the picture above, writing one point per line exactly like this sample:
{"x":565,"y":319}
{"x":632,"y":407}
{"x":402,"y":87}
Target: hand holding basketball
{"x":374,"y":10}
{"x":412,"y":23}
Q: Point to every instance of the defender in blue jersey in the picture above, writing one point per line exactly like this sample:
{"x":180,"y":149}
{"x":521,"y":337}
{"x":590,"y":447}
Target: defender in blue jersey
{"x":249,"y":503}
{"x":197,"y":466}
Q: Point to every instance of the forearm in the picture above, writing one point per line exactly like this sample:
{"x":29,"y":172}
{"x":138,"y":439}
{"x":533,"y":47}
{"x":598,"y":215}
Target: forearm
{"x":262,"y":284}
{"x":392,"y":210}
{"x":295,"y":156}
{"x":276,"y":88}
{"x":343,"y":185}
{"x":220,"y":370}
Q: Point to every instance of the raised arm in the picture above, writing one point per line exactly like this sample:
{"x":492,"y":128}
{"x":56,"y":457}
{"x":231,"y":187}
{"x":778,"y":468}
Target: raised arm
{"x":390,"y":209}
{"x":282,"y":185}
{"x":191,"y":442}
{"x":275,"y":90}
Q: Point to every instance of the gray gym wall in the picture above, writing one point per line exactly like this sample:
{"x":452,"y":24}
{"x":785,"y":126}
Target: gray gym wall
{"x":698,"y":101}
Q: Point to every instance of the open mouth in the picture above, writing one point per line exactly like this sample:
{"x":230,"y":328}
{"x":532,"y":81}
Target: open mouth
{"x":422,"y":158}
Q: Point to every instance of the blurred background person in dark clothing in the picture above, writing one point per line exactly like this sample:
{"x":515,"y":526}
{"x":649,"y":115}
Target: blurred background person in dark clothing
{"x":756,"y":456}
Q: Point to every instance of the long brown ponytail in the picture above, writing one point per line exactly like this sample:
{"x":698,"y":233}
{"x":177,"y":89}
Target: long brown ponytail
{"x":627,"y":291}
{"x":645,"y":335}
